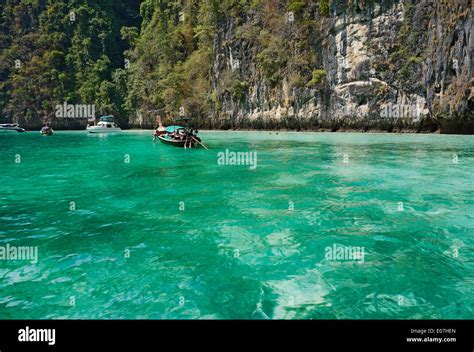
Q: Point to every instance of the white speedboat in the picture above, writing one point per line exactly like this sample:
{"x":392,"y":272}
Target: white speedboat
{"x":11,"y":127}
{"x":105,"y":125}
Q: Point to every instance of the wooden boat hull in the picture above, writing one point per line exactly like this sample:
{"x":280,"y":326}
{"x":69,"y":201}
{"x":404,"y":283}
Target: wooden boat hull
{"x":173,"y":142}
{"x":171,"y":134}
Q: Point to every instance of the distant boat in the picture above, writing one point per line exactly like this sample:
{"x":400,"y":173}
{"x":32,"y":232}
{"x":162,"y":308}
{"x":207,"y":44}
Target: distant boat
{"x":106,"y":125}
{"x":47,"y":131}
{"x":11,"y":127}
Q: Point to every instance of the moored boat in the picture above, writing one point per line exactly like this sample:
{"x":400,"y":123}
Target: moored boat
{"x":178,"y":136}
{"x":47,"y":131}
{"x":173,"y":135}
{"x":106,"y":125}
{"x":11,"y":127}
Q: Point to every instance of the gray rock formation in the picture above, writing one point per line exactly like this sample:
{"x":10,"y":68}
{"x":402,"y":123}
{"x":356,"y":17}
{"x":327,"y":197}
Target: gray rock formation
{"x":379,"y":65}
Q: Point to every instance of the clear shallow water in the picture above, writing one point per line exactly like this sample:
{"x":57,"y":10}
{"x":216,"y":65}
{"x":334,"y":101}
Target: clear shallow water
{"x":237,"y":251}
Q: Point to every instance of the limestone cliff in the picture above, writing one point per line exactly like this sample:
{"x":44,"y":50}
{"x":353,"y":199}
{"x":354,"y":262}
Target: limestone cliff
{"x":383,"y":65}
{"x":392,"y":65}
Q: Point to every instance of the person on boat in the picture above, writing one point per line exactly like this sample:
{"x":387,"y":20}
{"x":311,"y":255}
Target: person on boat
{"x":195,"y":135}
{"x":189,"y":140}
{"x":179,"y":135}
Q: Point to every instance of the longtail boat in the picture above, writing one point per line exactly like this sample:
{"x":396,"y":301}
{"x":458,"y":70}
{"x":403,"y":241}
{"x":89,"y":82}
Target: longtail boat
{"x":47,"y":131}
{"x":179,"y":136}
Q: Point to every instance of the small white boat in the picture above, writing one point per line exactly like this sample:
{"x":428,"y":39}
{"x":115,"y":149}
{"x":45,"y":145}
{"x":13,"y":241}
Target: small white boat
{"x":47,"y":131}
{"x":11,"y":127}
{"x":105,"y":125}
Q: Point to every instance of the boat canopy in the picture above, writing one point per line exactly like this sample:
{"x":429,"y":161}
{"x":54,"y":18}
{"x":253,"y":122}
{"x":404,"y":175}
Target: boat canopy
{"x":109,"y":118}
{"x":171,"y":129}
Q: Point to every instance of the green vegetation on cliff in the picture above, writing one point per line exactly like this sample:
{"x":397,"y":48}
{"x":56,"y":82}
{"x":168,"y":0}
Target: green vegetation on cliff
{"x":62,"y":51}
{"x":223,"y":61}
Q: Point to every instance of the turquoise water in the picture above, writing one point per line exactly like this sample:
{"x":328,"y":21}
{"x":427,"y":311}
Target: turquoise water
{"x":174,"y":235}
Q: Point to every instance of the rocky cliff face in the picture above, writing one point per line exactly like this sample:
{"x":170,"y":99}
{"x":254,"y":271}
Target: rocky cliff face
{"x":392,"y":65}
{"x":365,"y":65}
